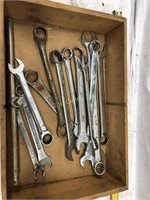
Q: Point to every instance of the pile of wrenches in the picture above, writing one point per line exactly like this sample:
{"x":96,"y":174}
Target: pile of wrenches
{"x":88,"y":128}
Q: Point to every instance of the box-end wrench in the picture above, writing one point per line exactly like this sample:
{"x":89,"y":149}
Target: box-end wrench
{"x":57,"y":59}
{"x":40,"y":36}
{"x":82,"y":132}
{"x":67,"y":55}
{"x":34,"y":80}
{"x":36,"y":165}
{"x":46,"y":136}
{"x":42,"y":157}
{"x":102,"y":111}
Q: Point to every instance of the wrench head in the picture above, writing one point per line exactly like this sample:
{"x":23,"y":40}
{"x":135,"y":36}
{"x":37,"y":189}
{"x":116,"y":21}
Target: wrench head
{"x":85,"y":158}
{"x":69,"y":151}
{"x":46,"y":160}
{"x":17,"y":70}
{"x":81,"y":139}
{"x":37,"y":171}
{"x":86,"y":40}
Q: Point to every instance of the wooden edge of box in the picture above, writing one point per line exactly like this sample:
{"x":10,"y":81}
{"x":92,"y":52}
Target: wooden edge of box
{"x":2,"y":106}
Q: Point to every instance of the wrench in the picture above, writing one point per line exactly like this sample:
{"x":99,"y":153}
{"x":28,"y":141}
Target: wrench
{"x":36,"y":165}
{"x":42,"y":157}
{"x":104,"y":136}
{"x":99,"y":167}
{"x":46,"y":136}
{"x":34,"y":80}
{"x":40,"y":35}
{"x":57,"y":59}
{"x":86,"y":42}
{"x":82,"y":133}
{"x":67,"y":55}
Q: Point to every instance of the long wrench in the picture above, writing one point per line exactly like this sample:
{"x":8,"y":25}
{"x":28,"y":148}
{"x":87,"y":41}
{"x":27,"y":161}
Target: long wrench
{"x":57,"y":59}
{"x":82,"y":133}
{"x":46,"y":136}
{"x":36,"y":165}
{"x":42,"y":157}
{"x":102,"y":111}
{"x":67,"y":55}
{"x":40,"y":36}
{"x":34,"y":80}
{"x":11,"y":53}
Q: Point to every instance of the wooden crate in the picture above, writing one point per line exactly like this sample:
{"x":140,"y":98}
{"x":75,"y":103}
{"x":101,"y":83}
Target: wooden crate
{"x":66,"y":179}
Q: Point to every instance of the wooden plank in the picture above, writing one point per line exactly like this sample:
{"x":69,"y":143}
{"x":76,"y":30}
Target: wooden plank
{"x":82,"y":188}
{"x":53,"y":13}
{"x":115,"y":70}
{"x":2,"y":105}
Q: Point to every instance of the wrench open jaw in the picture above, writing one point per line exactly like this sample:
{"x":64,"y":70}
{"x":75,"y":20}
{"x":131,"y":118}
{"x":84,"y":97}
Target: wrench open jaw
{"x":17,"y":70}
{"x":39,"y":170}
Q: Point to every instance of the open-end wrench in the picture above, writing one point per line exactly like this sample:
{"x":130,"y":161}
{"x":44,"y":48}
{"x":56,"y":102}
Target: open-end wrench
{"x":86,"y":39}
{"x":98,"y":167}
{"x":57,"y":59}
{"x":34,"y":80}
{"x":40,"y":35}
{"x":82,"y":136}
{"x":102,"y":111}
{"x":42,"y":157}
{"x":46,"y":136}
{"x":67,"y":55}
{"x":36,"y":165}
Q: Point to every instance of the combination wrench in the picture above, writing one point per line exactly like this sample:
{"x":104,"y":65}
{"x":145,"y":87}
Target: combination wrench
{"x":46,"y":136}
{"x":42,"y":157}
{"x":57,"y":59}
{"x":34,"y":80}
{"x":40,"y":36}
{"x":82,"y":136}
{"x":67,"y":55}
{"x":36,"y":165}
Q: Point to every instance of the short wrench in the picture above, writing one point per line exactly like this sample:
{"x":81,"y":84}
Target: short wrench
{"x":42,"y":157}
{"x":82,"y":132}
{"x":57,"y":59}
{"x":34,"y":80}
{"x":67,"y":55}
{"x":40,"y":35}
{"x":36,"y":165}
{"x":46,"y":136}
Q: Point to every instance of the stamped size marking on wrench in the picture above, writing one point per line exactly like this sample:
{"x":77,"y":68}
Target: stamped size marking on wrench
{"x":67,"y":55}
{"x":82,"y":132}
{"x":34,"y":80}
{"x":46,"y":136}
{"x":40,"y":36}
{"x":57,"y":59}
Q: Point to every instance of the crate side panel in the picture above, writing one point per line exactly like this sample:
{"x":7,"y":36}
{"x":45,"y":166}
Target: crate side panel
{"x":116,"y":148}
{"x":82,"y":188}
{"x":115,"y":66}
{"x":61,"y":15}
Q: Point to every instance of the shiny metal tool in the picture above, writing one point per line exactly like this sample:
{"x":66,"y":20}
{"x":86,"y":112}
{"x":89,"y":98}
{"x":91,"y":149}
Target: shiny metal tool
{"x":67,"y":55}
{"x":40,"y":36}
{"x":57,"y":59}
{"x":46,"y":136}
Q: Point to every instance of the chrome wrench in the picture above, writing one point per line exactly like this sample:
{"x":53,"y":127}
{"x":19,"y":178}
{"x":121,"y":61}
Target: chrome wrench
{"x":34,"y":80}
{"x":102,"y":111}
{"x":42,"y":157}
{"x":57,"y":59}
{"x":67,"y":55}
{"x":46,"y":136}
{"x":36,"y":165}
{"x":82,"y":132}
{"x":40,"y":36}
